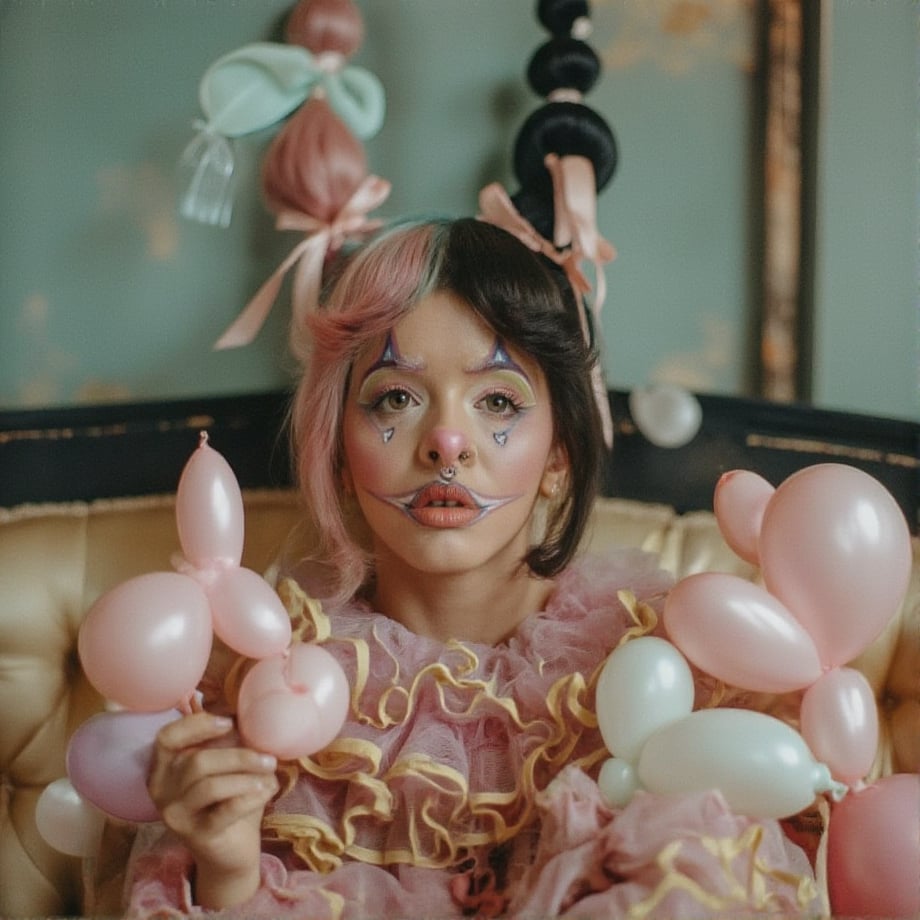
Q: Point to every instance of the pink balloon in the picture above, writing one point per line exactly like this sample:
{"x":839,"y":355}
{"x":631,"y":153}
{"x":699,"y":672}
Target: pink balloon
{"x":209,"y":510}
{"x":293,"y":705}
{"x":108,"y":760}
{"x":835,"y":549}
{"x":248,"y":615}
{"x":734,"y":630}
{"x":873,"y":850}
{"x":839,"y":721}
{"x":739,"y":502}
{"x":145,"y":644}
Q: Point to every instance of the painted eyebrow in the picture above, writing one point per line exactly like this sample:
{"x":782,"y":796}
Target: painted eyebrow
{"x":499,"y":359}
{"x":390,"y":357}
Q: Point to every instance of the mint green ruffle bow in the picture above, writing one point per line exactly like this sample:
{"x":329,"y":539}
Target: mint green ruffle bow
{"x":253,"y":88}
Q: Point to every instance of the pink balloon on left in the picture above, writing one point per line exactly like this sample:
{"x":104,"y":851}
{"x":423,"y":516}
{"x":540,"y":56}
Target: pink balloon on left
{"x":209,"y":510}
{"x":145,"y":643}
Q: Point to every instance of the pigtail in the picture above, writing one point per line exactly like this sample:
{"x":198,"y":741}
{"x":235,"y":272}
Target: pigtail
{"x":564,"y":154}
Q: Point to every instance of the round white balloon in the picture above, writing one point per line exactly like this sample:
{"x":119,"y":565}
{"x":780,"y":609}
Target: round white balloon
{"x":645,"y":683}
{"x":667,"y":414}
{"x":617,"y":781}
{"x":66,"y":821}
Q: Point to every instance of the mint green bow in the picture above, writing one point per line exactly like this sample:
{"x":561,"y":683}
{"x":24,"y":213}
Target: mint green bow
{"x":255,"y":87}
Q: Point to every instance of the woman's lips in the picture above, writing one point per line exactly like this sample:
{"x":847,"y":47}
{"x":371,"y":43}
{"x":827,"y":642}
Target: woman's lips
{"x":446,"y":505}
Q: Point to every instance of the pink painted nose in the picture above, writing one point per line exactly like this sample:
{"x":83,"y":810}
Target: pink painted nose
{"x":447,"y":444}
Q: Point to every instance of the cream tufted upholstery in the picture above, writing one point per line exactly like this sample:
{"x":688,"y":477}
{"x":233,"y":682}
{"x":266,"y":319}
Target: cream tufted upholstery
{"x":56,"y":559}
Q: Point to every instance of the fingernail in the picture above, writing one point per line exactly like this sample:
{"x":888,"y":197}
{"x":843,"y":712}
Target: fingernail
{"x":267,"y":761}
{"x":223,"y":723}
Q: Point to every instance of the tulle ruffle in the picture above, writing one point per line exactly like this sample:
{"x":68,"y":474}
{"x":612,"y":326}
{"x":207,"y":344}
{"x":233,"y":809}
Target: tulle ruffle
{"x":448,"y":745}
{"x":463,"y":783}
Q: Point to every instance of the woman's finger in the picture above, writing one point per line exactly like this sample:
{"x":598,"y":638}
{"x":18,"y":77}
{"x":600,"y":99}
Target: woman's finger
{"x":216,"y":803}
{"x":195,"y":729}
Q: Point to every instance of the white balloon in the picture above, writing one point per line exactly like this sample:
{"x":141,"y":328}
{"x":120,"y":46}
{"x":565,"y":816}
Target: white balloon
{"x":762,"y":767}
{"x":617,"y":781}
{"x":645,"y":683}
{"x":667,"y":414}
{"x":66,"y":821}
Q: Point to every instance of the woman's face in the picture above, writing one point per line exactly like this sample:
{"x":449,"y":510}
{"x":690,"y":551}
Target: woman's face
{"x":448,"y":439}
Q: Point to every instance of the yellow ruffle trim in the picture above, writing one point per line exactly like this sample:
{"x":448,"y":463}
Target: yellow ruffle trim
{"x":745,"y":874}
{"x":439,"y":835}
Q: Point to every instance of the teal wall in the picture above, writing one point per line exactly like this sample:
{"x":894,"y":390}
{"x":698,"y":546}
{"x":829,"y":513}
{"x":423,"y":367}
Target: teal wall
{"x":105,"y":293}
{"x":867,"y":354}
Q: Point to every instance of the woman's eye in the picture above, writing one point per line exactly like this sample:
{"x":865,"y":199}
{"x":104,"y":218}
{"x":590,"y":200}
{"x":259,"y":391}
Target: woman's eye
{"x":394,"y":400}
{"x":500,"y":404}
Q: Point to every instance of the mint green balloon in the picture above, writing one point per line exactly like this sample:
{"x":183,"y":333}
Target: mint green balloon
{"x":762,"y":766}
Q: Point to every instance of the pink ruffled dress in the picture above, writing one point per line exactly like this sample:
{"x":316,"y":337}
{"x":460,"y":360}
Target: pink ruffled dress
{"x":463,"y":784}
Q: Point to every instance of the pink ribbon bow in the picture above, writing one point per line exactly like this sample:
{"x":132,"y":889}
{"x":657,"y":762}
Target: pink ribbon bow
{"x":575,"y":208}
{"x":575,"y":212}
{"x":309,"y":255}
{"x":496,"y":207}
{"x":574,"y":199}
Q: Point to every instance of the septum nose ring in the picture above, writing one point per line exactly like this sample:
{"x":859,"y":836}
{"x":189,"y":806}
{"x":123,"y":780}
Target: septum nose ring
{"x":447,"y":473}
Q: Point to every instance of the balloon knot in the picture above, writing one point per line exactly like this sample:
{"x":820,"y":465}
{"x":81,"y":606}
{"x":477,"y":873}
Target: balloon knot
{"x":206,"y":575}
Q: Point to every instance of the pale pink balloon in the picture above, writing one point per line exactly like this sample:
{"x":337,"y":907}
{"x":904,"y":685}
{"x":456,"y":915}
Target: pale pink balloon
{"x":835,"y":549}
{"x":873,"y":850}
{"x":839,"y":721}
{"x":733,"y":629}
{"x":66,"y":821}
{"x":248,"y":615}
{"x":145,"y":643}
{"x":108,"y":759}
{"x":293,"y":705}
{"x":209,"y":510}
{"x":739,"y":502}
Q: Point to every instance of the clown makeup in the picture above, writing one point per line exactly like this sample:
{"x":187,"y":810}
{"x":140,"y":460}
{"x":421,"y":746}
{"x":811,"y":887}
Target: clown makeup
{"x":517,"y":380}
{"x":452,"y":429}
{"x":376,"y":397}
{"x":508,"y":397}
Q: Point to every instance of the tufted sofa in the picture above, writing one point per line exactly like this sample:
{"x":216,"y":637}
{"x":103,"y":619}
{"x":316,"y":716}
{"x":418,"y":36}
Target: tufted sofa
{"x":58,"y":554}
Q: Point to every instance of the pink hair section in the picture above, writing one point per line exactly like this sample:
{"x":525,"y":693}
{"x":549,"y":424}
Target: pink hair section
{"x":380,"y":283}
{"x":326,"y":25}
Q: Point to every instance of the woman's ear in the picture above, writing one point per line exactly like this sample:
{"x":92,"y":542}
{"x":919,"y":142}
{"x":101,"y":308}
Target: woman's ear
{"x":554,"y":473}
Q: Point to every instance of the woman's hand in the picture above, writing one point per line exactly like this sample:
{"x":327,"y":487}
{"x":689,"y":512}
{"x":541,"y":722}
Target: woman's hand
{"x":213,"y":796}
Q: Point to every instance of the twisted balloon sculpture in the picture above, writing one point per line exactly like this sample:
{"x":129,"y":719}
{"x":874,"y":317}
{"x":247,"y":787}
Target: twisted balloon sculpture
{"x":145,"y":645}
{"x":834,"y":553}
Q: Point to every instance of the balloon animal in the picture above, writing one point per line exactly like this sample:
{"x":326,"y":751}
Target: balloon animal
{"x":144,"y":645}
{"x":835,"y":556}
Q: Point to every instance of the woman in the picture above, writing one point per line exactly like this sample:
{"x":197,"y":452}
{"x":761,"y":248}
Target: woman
{"x":449,"y":448}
